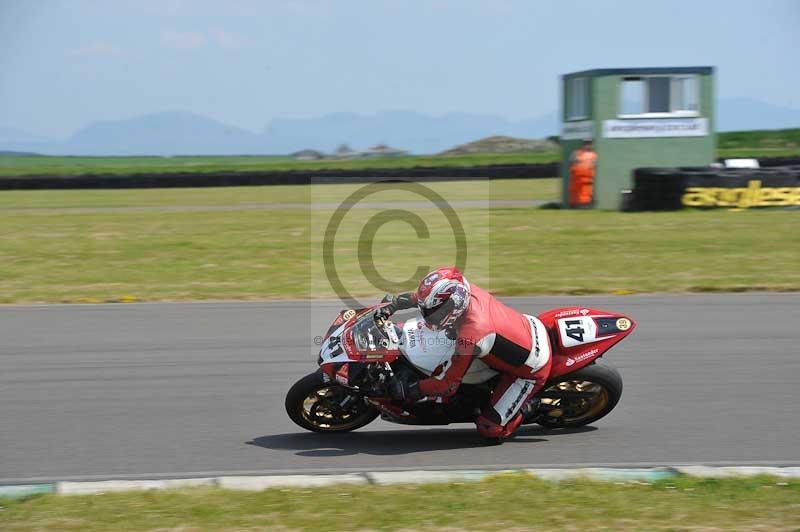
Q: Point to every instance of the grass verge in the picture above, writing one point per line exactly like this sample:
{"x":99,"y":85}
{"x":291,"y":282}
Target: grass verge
{"x":775,"y":139}
{"x":514,"y":501}
{"x":495,"y":190}
{"x":14,"y":165}
{"x":758,"y":143}
{"x":77,"y":246}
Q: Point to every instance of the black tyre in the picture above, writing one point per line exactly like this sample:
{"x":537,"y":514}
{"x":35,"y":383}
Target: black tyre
{"x":316,"y":405}
{"x":580,"y":398}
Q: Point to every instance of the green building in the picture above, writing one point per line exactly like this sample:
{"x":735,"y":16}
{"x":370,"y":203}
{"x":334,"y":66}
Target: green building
{"x":637,"y":117}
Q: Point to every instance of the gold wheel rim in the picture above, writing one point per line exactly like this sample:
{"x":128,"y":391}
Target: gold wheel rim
{"x":587,"y":407}
{"x":315,"y":413}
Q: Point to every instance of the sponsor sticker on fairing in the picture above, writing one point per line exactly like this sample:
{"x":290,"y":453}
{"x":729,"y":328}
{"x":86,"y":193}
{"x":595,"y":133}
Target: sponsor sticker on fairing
{"x":573,"y":312}
{"x":565,"y":313}
{"x":580,"y":358}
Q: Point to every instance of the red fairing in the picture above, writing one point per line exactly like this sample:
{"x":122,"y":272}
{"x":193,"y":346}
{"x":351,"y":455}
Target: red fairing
{"x":580,"y":335}
{"x":346,"y":315}
{"x":355,"y":355}
{"x":337,"y":369}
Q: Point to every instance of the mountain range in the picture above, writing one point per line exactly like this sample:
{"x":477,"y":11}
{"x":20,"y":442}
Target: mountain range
{"x":185,"y":133}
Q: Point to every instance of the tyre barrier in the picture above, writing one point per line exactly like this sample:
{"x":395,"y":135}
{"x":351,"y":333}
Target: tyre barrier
{"x":665,"y":189}
{"x":779,"y":161}
{"x":289,"y":177}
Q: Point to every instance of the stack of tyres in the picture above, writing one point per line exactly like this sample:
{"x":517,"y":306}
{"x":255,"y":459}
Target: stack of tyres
{"x":706,"y":177}
{"x":657,"y":189}
{"x":768,"y":162}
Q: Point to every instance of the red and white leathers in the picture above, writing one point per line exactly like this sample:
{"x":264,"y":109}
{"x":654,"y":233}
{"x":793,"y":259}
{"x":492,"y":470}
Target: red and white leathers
{"x":514,"y":344}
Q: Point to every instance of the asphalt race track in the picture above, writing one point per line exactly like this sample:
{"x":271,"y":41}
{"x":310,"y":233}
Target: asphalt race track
{"x":166,"y":390}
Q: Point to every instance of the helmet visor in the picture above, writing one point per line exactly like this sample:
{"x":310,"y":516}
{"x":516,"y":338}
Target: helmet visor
{"x":436,"y":316}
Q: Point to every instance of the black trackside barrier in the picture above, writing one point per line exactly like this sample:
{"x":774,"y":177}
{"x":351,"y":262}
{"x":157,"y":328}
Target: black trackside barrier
{"x":779,"y":161}
{"x":292,"y":177}
{"x":302,"y":177}
{"x":662,"y":189}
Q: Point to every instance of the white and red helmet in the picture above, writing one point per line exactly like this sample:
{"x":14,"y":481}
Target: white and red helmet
{"x":442,"y":297}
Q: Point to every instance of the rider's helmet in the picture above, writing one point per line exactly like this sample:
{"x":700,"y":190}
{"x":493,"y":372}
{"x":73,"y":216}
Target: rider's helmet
{"x":442,"y":297}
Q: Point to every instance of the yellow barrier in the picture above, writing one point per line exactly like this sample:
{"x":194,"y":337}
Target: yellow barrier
{"x":754,"y":195}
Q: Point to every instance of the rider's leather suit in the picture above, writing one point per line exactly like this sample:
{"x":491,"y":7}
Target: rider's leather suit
{"x":514,"y":344}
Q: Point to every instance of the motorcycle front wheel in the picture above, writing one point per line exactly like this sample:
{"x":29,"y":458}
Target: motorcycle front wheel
{"x":321,"y":406}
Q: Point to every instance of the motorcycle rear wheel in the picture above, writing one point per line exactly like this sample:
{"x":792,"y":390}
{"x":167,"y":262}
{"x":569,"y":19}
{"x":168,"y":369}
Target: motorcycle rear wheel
{"x":602,"y":381}
{"x":315,"y":405}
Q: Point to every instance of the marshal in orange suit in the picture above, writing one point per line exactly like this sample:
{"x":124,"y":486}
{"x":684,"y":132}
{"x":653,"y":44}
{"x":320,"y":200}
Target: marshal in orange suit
{"x":581,"y":175}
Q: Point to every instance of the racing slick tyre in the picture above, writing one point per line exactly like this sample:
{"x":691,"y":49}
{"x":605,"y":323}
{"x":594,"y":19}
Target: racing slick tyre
{"x":327,"y":407}
{"x":580,"y":398}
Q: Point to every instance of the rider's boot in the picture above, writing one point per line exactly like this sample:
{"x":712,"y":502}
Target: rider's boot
{"x":493,"y":433}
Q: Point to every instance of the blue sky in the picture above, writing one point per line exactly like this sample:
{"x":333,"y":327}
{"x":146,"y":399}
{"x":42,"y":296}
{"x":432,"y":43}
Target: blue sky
{"x":66,"y":63}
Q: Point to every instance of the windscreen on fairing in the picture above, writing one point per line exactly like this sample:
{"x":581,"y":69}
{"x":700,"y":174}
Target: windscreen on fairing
{"x":367,"y":336}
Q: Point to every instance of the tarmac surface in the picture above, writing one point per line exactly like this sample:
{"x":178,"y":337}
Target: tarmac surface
{"x":197,"y":389}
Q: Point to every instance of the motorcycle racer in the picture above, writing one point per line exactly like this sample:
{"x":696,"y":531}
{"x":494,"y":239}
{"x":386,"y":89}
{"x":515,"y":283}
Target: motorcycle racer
{"x":517,"y":345}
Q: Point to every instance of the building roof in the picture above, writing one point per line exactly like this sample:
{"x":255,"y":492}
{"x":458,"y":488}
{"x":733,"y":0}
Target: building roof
{"x":644,"y":71}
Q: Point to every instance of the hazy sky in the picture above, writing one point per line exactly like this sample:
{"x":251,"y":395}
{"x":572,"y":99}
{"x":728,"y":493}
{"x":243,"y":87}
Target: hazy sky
{"x":65,"y":63}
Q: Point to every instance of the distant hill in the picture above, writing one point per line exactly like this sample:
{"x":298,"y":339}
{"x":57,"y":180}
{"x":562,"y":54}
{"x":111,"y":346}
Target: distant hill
{"x":168,"y":133}
{"x":19,"y":153}
{"x":185,"y":133}
{"x":407,"y":130}
{"x":501,"y":144}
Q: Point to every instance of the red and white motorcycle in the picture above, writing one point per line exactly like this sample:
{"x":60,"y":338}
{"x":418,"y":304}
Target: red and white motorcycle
{"x":360,"y":354}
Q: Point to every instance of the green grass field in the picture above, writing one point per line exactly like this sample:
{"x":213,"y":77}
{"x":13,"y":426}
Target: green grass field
{"x":84,"y":246}
{"x":762,"y":143}
{"x":495,"y":190}
{"x":764,"y":139}
{"x":54,"y":165}
{"x":506,"y":502}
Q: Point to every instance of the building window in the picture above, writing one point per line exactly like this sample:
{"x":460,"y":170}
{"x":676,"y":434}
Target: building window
{"x":632,"y":93}
{"x":659,"y":96}
{"x":684,"y":91}
{"x":577,"y":99}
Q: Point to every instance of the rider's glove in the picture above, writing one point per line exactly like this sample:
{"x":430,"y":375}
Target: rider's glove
{"x":405,"y":301}
{"x":386,"y":311}
{"x":404,"y":391}
{"x":395,"y":303}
